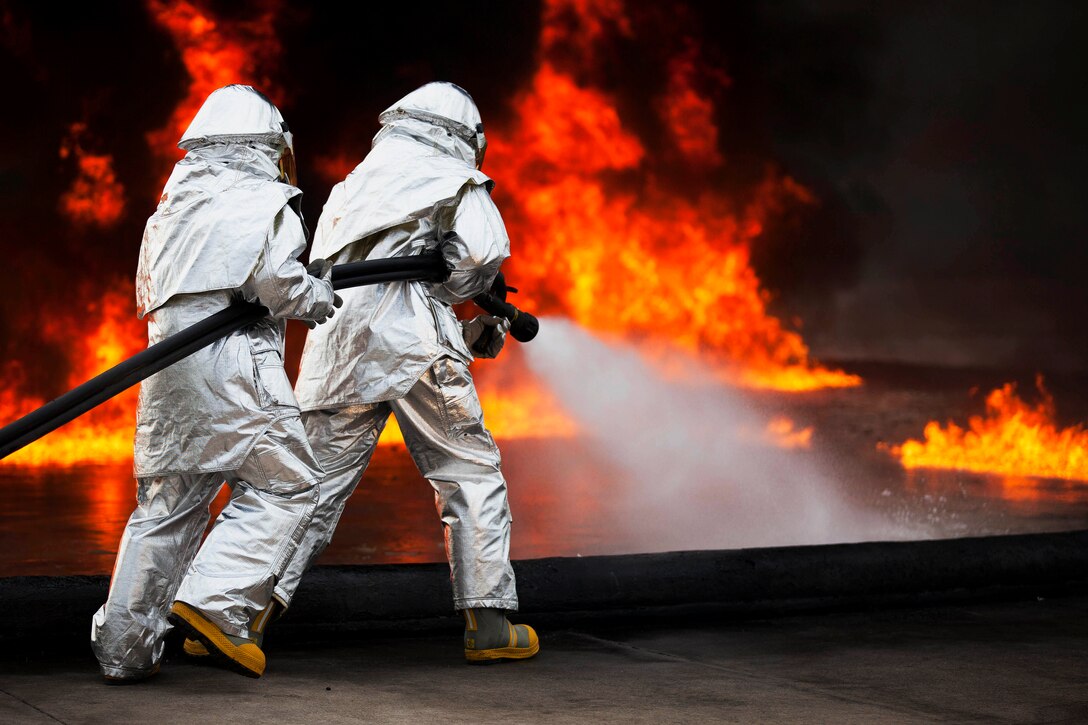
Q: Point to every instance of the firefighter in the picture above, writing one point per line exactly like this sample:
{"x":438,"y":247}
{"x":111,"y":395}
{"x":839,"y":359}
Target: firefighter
{"x":399,"y":348}
{"x":228,"y":226}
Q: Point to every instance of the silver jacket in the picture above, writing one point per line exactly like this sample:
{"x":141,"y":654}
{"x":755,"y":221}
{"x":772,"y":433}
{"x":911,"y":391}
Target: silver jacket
{"x":417,"y":184}
{"x":225,"y":229}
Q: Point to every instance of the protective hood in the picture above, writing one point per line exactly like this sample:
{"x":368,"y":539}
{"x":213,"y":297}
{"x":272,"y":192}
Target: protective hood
{"x":446,"y":106}
{"x":211,"y":224}
{"x":237,"y":114}
{"x":420,"y":161}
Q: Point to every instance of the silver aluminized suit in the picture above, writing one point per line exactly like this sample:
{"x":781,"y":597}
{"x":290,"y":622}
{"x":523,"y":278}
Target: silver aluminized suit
{"x":398,"y":347}
{"x":225,"y":229}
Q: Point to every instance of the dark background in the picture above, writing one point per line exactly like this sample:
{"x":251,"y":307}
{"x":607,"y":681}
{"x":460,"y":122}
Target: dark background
{"x":943,"y":141}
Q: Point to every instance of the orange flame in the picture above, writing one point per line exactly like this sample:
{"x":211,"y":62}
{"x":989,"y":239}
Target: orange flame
{"x":580,"y":24}
{"x":215,"y":53}
{"x":688,"y":115}
{"x":645,"y":264}
{"x":598,"y":237}
{"x":96,"y":197}
{"x":1013,"y":438}
{"x":522,"y":412}
{"x":780,"y":431}
{"x":649,"y":263}
{"x":103,"y":435}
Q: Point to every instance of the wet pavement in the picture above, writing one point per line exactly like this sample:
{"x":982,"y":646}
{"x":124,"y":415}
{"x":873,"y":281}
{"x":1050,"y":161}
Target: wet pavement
{"x":992,"y":662}
{"x":583,"y":496}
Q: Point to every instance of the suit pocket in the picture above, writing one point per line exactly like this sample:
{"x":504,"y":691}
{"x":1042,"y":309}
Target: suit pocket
{"x":457,"y":398}
{"x":273,"y":387}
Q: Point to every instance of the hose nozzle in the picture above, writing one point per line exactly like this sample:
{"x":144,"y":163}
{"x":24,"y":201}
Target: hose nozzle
{"x":523,"y":326}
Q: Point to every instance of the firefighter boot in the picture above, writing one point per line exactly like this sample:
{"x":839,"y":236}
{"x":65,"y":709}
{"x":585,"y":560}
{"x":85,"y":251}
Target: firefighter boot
{"x":489,"y":637}
{"x":195,"y":648}
{"x":241,"y":654}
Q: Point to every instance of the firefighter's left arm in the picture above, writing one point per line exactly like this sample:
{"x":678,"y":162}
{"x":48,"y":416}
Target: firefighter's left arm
{"x":474,"y":245}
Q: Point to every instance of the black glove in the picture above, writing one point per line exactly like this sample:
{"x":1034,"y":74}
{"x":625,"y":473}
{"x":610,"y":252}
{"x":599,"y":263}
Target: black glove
{"x":485,"y":334}
{"x":320,"y":268}
{"x":337,"y":301}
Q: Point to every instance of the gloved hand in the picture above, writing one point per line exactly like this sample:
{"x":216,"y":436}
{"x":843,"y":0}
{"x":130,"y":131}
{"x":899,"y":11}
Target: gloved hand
{"x":337,"y":302}
{"x":485,"y":335}
{"x":320,"y":268}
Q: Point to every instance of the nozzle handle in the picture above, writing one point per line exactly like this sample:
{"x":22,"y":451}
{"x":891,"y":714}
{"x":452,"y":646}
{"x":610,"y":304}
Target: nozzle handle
{"x":523,"y":326}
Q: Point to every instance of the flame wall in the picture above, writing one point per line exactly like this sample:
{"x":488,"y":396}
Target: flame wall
{"x":599,"y":233}
{"x":662,"y":170}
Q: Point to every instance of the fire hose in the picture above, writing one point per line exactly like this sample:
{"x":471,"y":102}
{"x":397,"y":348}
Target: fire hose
{"x":102,"y":387}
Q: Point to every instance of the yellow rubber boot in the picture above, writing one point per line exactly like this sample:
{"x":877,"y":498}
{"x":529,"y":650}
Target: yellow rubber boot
{"x":241,"y":654}
{"x":490,"y":637}
{"x":195,"y":648}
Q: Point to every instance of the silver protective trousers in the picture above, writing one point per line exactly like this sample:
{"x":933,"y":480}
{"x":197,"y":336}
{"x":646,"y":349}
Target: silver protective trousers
{"x":230,"y":578}
{"x":443,"y":428}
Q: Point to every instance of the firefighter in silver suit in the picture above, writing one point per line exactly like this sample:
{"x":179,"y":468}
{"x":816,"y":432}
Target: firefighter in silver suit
{"x":227,"y":227}
{"x":399,"y":348}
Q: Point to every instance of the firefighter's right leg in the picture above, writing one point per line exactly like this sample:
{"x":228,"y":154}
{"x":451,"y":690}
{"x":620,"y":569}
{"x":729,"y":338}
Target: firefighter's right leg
{"x":160,"y":540}
{"x":230,"y":584}
{"x":343,"y":441}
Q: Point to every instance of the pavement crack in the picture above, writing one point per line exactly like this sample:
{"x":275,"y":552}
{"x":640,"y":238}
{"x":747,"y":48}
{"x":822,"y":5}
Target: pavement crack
{"x":32,"y":706}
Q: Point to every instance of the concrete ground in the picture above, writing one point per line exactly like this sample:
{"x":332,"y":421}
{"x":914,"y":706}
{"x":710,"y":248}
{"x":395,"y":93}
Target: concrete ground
{"x":994,"y":662}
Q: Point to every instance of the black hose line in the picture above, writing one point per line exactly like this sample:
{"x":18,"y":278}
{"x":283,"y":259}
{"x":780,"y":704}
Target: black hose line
{"x":427,"y":266}
{"x":102,"y":387}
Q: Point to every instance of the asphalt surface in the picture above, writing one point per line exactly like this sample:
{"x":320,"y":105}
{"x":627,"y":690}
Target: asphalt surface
{"x":992,"y":662}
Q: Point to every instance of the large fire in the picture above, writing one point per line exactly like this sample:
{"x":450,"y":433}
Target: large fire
{"x":644,"y":260}
{"x":641,"y":260}
{"x":1014,"y":438}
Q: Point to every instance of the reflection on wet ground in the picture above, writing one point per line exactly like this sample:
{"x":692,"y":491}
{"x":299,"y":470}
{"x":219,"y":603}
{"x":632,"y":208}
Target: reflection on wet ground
{"x":570,"y":497}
